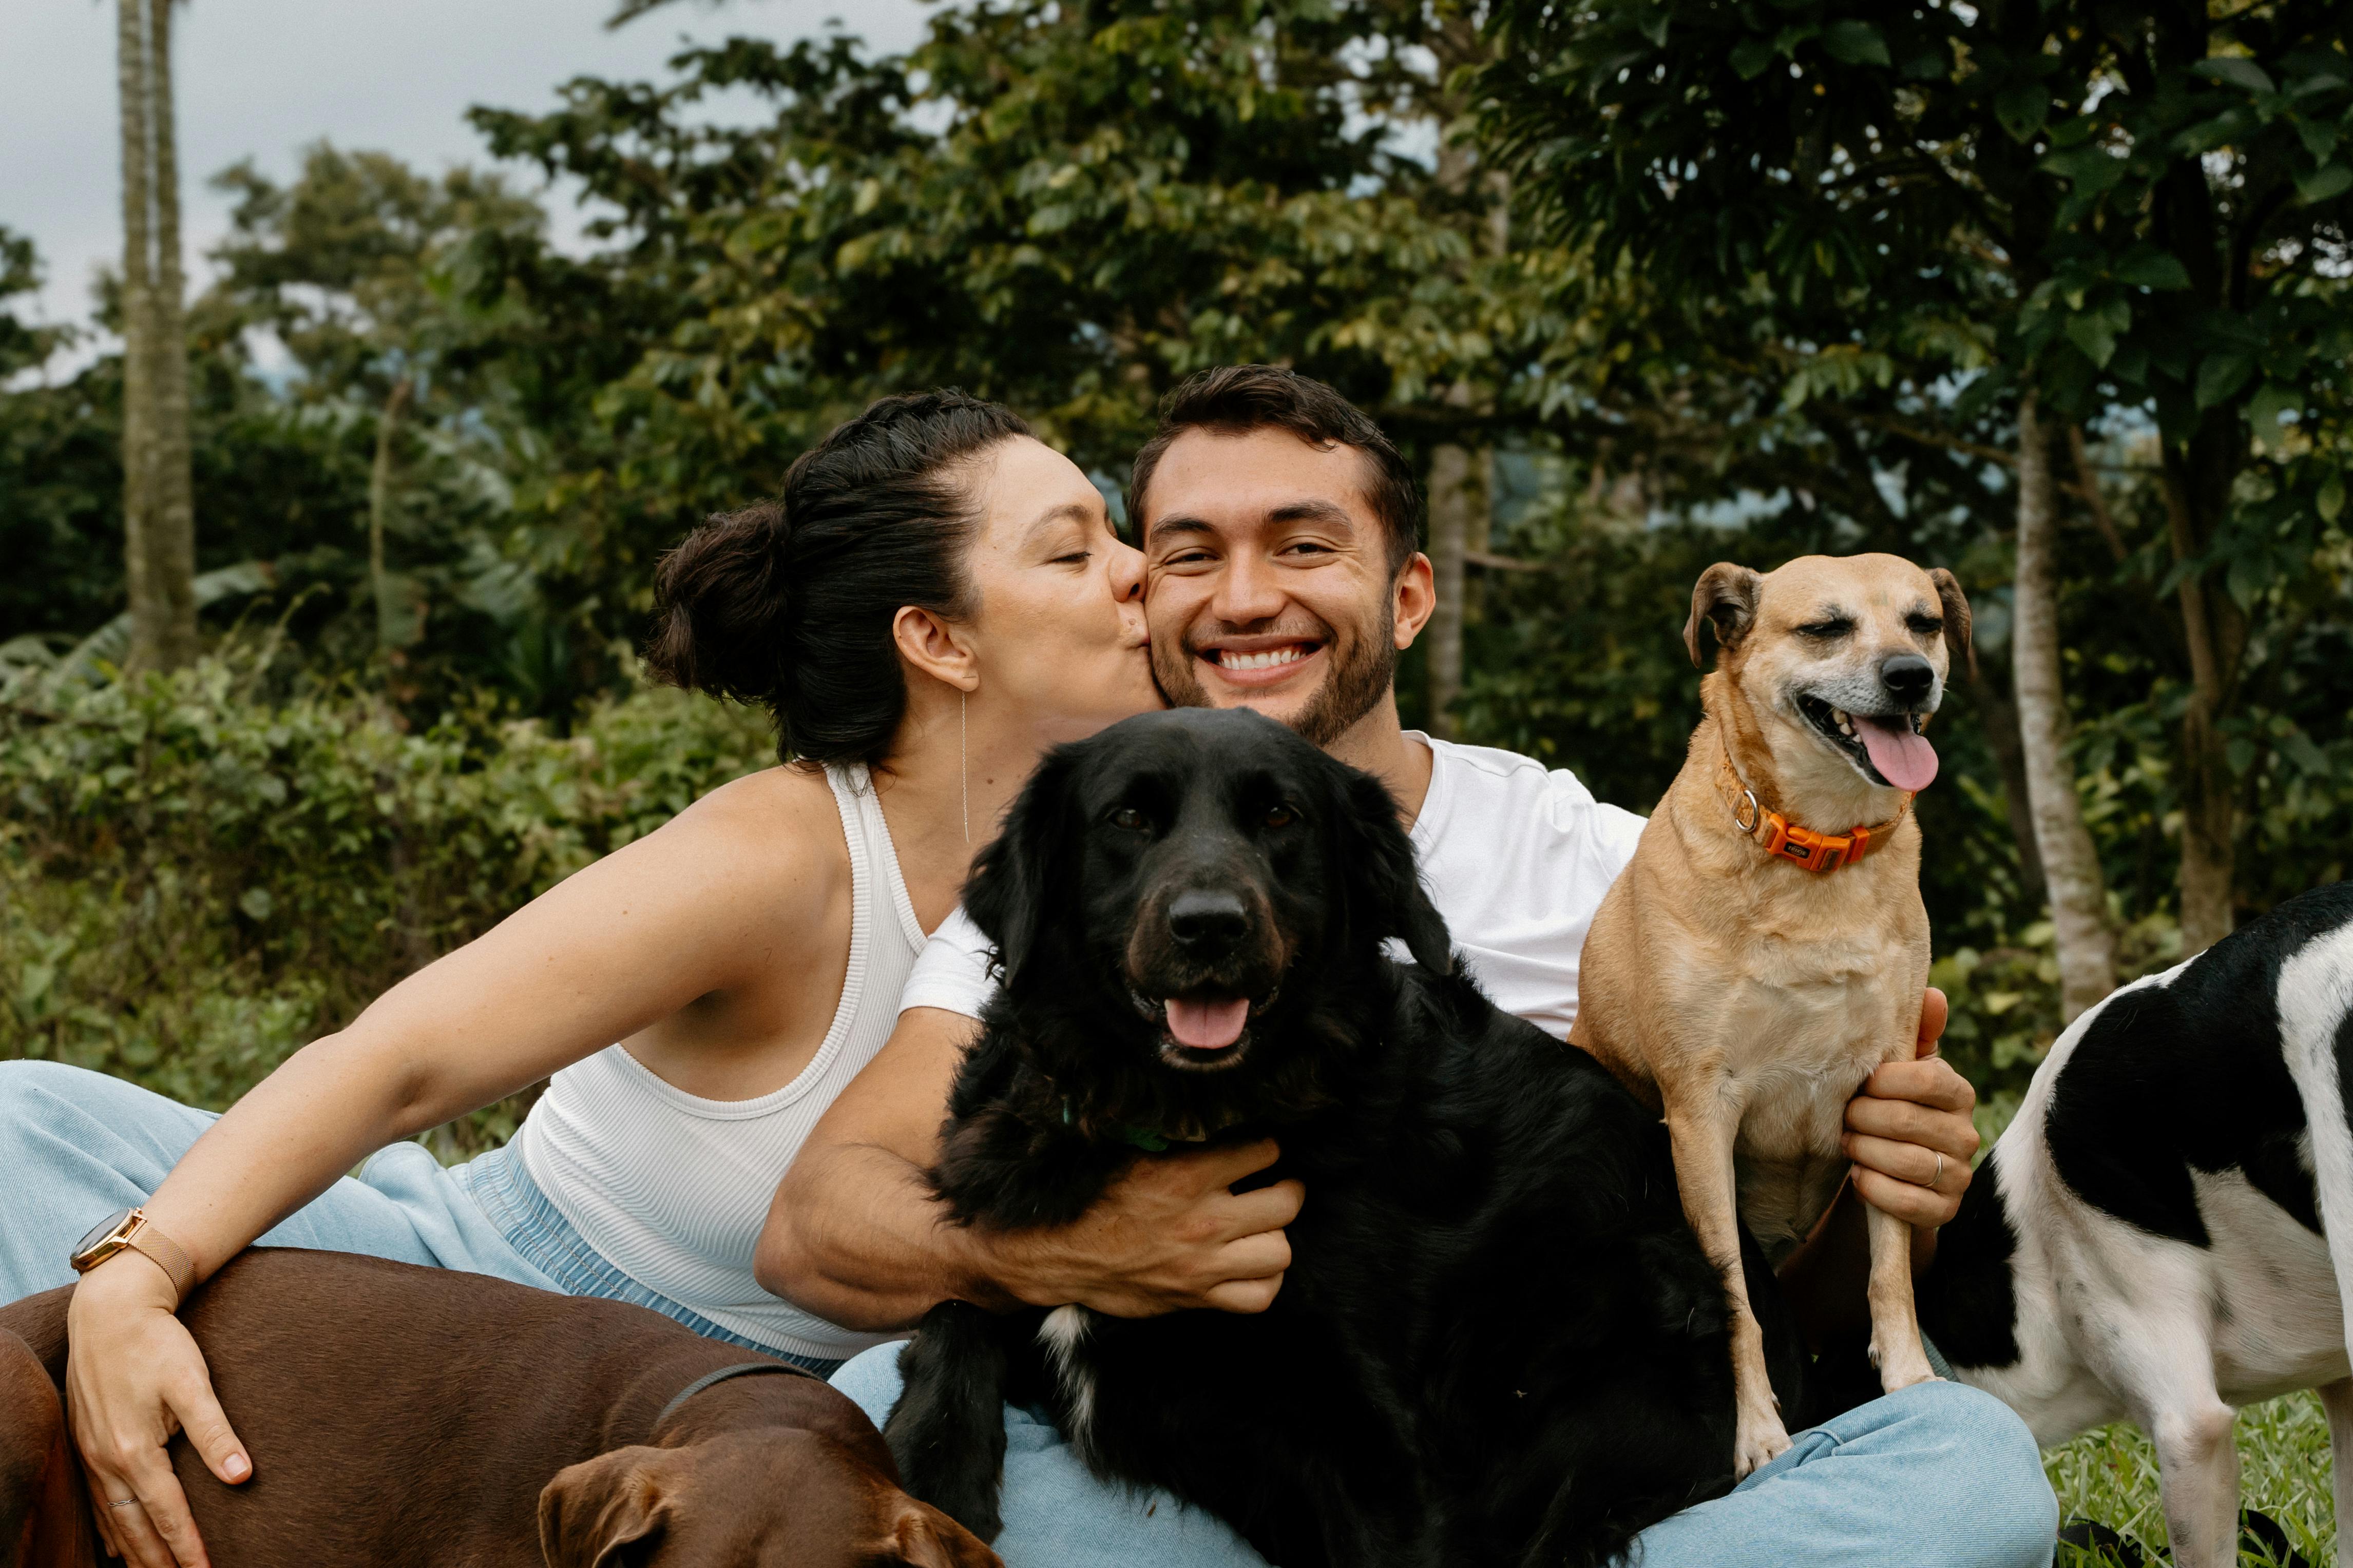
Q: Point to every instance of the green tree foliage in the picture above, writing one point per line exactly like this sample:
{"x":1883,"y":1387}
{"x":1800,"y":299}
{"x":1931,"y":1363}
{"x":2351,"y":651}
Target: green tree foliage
{"x":2138,"y":210}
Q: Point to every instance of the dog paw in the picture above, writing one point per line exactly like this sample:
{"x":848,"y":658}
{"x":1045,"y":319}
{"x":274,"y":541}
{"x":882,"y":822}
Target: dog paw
{"x":1908,"y":1365}
{"x":1758,"y":1441}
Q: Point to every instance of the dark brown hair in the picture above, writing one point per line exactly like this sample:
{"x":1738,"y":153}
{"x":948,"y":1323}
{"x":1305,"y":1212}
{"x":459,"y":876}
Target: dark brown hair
{"x":1235,"y":399}
{"x":789,"y":604}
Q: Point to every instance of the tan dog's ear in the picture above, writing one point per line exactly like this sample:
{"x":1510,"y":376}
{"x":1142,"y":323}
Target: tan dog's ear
{"x":1726,"y":597}
{"x":1956,"y":620}
{"x":593,"y":1510}
{"x":924,"y":1537}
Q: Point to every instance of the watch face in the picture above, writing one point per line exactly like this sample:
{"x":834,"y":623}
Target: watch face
{"x":100,"y":1231}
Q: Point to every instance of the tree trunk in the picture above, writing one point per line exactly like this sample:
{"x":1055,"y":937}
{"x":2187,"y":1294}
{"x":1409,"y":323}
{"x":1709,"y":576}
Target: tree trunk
{"x":387,"y":429}
{"x":1996,"y":705}
{"x":158,"y":487}
{"x":2070,"y":866}
{"x":148,"y":613}
{"x":1451,"y":499}
{"x":2207,"y":808}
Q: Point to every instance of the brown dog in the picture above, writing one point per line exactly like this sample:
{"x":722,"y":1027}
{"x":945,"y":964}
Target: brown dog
{"x":405,"y":1414}
{"x":1766,"y":948}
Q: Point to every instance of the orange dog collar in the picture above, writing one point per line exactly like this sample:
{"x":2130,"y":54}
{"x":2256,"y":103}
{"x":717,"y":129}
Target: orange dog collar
{"x":1785,"y":840}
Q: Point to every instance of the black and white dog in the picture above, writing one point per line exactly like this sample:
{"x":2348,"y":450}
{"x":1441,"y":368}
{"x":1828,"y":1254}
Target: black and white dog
{"x":1497,"y":1343}
{"x":2166,"y":1230}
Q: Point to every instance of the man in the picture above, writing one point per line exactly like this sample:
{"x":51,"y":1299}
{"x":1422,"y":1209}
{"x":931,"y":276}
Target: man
{"x":1278,"y":530}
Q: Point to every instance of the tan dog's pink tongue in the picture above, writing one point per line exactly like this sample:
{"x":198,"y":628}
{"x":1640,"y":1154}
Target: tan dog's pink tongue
{"x":1904,"y":759}
{"x":1208,"y":1026}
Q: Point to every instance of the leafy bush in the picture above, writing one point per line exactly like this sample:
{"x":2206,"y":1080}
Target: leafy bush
{"x":194,"y":882}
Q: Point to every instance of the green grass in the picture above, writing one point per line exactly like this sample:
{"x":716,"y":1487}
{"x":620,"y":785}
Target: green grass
{"x":2110,"y":1474}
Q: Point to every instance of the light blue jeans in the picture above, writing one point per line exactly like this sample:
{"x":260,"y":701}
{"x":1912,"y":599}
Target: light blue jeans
{"x":75,"y":1146}
{"x":1939,"y":1476}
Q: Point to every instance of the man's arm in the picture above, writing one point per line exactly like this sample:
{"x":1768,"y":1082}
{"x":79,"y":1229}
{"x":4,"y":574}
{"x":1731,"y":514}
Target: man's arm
{"x":855,"y":1237}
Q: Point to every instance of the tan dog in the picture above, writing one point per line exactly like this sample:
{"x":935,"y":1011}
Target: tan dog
{"x":1767,"y":948}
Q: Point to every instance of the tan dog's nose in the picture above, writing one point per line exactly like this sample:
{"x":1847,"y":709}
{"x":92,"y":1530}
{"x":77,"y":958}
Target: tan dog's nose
{"x":1908,"y":678}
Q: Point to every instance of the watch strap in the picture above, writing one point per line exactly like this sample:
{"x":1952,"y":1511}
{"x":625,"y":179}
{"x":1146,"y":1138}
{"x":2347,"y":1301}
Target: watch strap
{"x":165,"y":1253}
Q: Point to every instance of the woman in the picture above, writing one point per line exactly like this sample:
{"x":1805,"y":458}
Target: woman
{"x":936,"y":598}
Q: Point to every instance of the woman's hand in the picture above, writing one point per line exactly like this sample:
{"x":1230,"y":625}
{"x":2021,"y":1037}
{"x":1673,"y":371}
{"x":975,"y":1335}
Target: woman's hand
{"x":133,"y":1377}
{"x":1909,"y":1133}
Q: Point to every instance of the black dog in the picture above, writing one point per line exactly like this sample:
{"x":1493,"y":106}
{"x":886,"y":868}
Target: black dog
{"x":1497,"y":1341}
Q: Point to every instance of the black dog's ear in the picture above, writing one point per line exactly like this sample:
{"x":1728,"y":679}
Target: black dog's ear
{"x":1384,"y":884}
{"x":1007,"y":897}
{"x":1956,"y":621}
{"x":1726,"y":597}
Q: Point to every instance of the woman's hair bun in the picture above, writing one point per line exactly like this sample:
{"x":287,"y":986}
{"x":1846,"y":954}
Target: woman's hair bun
{"x":790,"y":604}
{"x":721,"y":600}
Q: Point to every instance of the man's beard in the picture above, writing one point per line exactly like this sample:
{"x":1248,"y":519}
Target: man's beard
{"x":1359,"y":679}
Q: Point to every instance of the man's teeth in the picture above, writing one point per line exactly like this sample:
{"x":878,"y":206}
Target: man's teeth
{"x":1229,"y":659}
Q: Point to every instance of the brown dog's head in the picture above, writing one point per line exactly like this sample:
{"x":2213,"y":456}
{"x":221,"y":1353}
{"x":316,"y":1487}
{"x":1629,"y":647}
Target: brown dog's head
{"x":1830,"y":669}
{"x":767,"y":1498}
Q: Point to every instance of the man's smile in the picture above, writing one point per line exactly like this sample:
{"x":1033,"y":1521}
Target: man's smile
{"x":1257,"y":661}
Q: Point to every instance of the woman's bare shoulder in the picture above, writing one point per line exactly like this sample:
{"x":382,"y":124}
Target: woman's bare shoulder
{"x":771,"y":836}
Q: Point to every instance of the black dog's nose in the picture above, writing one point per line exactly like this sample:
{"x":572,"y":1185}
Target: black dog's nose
{"x":1908,"y":678}
{"x":1199,"y":919}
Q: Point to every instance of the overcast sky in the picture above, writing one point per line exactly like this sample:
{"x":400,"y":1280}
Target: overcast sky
{"x":266,"y":78}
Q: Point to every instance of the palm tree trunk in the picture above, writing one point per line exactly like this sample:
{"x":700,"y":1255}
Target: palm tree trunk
{"x":147,"y":627}
{"x":175,"y":539}
{"x":2070,"y":866}
{"x":158,"y":504}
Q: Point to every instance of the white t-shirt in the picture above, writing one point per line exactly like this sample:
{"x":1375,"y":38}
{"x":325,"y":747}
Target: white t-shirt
{"x":1515,"y":858}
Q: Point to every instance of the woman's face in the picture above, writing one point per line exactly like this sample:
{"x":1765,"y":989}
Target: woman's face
{"x":1059,"y":627}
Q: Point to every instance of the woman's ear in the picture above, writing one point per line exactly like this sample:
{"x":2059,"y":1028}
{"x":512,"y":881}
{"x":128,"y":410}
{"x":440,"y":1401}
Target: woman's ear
{"x":936,"y":646}
{"x":1007,"y":895}
{"x":1384,"y":884}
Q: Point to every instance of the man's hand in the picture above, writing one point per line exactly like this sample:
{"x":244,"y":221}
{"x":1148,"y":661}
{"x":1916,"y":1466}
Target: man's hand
{"x":1909,"y":1131}
{"x":1166,"y":1236}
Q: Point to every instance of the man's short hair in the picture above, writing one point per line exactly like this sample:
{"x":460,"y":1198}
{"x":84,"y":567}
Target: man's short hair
{"x":1236,"y":399}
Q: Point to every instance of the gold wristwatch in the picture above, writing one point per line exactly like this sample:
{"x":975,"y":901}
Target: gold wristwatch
{"x":128,"y":1227}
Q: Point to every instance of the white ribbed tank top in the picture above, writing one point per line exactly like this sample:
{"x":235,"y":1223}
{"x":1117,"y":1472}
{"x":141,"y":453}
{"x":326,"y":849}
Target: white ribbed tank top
{"x":672,"y":1189}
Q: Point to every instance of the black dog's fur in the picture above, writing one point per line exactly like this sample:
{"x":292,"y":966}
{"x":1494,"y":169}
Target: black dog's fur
{"x":1496,"y":1343}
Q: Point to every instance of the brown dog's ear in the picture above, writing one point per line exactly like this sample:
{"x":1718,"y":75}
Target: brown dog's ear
{"x":1956,"y":620}
{"x":1726,"y":597}
{"x":924,"y":1537}
{"x":592,"y":1512}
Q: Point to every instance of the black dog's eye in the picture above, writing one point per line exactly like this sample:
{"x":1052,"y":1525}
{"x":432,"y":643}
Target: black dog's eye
{"x":1280,"y":816}
{"x":1923,"y":625}
{"x":1127,"y":816}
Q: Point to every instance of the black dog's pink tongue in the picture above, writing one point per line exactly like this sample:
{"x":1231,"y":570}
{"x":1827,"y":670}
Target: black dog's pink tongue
{"x":1206,"y":1024}
{"x":1904,"y":759}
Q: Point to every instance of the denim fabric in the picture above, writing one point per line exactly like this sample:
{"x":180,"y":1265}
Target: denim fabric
{"x":1937,"y":1476}
{"x":539,"y":1232}
{"x":75,"y":1146}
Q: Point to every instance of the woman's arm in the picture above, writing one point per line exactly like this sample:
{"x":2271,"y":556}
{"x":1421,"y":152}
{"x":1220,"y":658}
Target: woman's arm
{"x":698,"y":907}
{"x":855,"y":1237}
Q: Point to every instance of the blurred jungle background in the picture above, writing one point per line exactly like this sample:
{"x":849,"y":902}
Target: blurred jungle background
{"x":327,"y":549}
